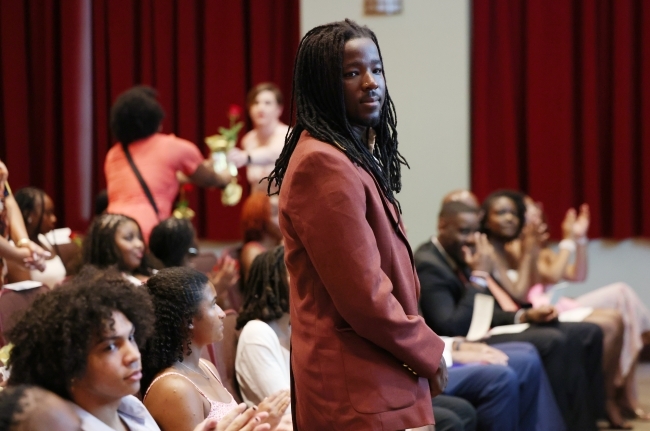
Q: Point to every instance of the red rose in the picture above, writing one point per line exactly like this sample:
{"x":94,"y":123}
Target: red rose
{"x":234,"y":111}
{"x":188,"y":187}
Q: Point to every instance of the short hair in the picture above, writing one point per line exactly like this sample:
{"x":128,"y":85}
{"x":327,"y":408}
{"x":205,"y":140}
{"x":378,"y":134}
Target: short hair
{"x":54,"y":336}
{"x":255,"y":216}
{"x":320,"y":108}
{"x":99,"y":248}
{"x":176,"y":294}
{"x":136,"y":114}
{"x":264,"y":86}
{"x":513,"y":195}
{"x":453,"y":208}
{"x":266,"y":293}
{"x":170,"y":240}
{"x":28,"y":200}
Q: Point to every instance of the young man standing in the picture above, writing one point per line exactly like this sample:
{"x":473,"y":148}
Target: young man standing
{"x":362,"y":358}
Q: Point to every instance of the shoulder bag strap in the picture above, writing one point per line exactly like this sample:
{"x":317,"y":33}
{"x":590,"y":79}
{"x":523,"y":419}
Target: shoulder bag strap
{"x":141,"y":180}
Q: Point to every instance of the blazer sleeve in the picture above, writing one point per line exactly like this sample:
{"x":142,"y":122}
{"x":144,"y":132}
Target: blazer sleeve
{"x":437,"y":303}
{"x":327,"y":208}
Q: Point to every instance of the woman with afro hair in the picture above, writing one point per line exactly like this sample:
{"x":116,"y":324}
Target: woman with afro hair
{"x":115,"y":240}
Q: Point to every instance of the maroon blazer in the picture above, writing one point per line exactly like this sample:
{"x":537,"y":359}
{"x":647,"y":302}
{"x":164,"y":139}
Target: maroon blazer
{"x":361,"y":355}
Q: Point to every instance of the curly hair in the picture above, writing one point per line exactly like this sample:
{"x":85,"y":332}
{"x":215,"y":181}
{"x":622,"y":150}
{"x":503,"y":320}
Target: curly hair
{"x":99,"y":248}
{"x":136,"y":114}
{"x":320,"y":108}
{"x":171,"y":240}
{"x":514,"y":196}
{"x":266,"y":293}
{"x":176,"y":294}
{"x":54,"y":336}
{"x":30,"y":199}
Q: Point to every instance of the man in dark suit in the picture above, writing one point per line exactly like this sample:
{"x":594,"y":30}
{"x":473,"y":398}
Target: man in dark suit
{"x":452,"y":270}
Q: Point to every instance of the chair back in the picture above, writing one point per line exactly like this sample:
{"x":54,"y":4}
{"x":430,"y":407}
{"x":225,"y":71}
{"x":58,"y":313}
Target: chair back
{"x":13,"y":303}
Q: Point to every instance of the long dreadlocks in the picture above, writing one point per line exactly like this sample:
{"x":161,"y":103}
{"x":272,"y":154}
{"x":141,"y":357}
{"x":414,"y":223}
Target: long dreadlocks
{"x":320,"y":108}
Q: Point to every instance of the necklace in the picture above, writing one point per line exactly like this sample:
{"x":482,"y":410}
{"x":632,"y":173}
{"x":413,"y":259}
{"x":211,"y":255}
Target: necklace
{"x":194,"y":371}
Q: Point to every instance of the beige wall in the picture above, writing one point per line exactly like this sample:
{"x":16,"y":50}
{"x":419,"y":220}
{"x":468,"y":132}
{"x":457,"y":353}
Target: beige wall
{"x":426,"y":58}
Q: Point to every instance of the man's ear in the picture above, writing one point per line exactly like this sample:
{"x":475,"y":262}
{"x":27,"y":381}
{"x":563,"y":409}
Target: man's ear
{"x":442,"y":224}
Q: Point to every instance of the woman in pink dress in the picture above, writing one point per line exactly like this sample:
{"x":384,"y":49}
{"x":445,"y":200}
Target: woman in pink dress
{"x":188,"y":319}
{"x":570,"y":263}
{"x":136,"y":121}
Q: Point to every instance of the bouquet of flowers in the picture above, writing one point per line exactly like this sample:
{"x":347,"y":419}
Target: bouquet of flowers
{"x":220,"y":145}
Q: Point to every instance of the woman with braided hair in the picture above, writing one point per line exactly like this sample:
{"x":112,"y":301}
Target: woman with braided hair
{"x":188,"y":319}
{"x":115,"y":240}
{"x":262,"y":361}
{"x":362,"y":358}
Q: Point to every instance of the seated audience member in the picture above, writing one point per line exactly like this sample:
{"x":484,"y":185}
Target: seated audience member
{"x":173,"y":242}
{"x":452,"y":271}
{"x":82,"y":341}
{"x":141,"y":168}
{"x":188,"y":319}
{"x":262,"y":361}
{"x":25,"y":252}
{"x":37,"y":210}
{"x":31,"y":408}
{"x":556,"y":266}
{"x":518,"y":242}
{"x":115,"y":240}
{"x":260,"y":227}
{"x":262,"y":145}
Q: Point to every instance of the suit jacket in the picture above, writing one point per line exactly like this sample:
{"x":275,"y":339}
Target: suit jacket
{"x":361,"y":357}
{"x":447,"y":303}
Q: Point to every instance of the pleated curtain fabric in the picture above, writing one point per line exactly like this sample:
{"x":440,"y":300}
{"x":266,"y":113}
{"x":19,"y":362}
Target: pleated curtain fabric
{"x":62,"y":63}
{"x":560,"y":107}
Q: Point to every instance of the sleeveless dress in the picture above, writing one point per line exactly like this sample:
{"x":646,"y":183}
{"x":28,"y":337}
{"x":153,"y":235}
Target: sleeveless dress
{"x":218,"y":409}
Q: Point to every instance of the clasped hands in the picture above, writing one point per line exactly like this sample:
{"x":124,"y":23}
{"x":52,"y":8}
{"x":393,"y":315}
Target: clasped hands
{"x":268,"y":415}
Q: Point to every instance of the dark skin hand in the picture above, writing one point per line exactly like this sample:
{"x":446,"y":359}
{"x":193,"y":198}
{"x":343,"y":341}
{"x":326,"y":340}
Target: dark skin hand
{"x":439,"y":383}
{"x":542,"y":314}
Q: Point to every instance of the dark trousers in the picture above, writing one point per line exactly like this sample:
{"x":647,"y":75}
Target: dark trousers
{"x":453,"y":414}
{"x":572,"y":357}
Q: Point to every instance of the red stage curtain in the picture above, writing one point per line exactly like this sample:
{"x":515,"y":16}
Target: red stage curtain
{"x":561,"y":107}
{"x":64,"y":62}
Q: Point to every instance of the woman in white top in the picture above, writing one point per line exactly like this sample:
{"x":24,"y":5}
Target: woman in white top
{"x":262,"y":145}
{"x":262,"y":361}
{"x":37,"y":209}
{"x":81,"y":341}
